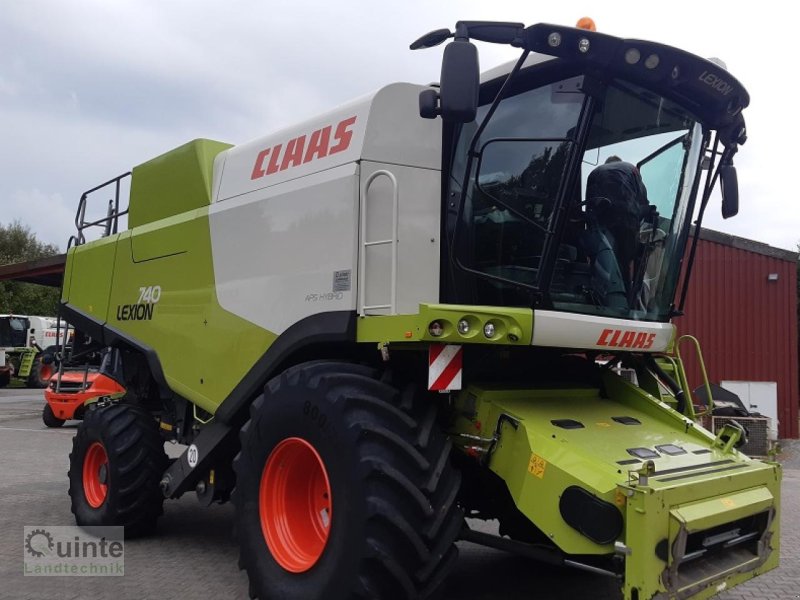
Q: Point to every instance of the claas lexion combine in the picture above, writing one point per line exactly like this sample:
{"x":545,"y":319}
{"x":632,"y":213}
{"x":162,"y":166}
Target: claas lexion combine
{"x":435,"y":302}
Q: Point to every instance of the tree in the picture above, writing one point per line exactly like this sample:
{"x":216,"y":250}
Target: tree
{"x":19,"y":244}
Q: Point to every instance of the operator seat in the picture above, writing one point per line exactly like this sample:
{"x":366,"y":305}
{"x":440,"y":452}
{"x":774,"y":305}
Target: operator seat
{"x":616,"y":201}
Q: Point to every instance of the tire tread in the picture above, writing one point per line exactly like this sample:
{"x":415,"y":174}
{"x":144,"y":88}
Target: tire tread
{"x":412,"y":519}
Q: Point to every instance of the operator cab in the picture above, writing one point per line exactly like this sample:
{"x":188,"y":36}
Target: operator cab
{"x":577,"y":186}
{"x":13,"y":331}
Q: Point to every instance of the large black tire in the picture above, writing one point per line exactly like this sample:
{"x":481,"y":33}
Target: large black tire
{"x":393,"y":512}
{"x":49,"y":418}
{"x":40,"y":373}
{"x":5,"y":378}
{"x":127,"y":438}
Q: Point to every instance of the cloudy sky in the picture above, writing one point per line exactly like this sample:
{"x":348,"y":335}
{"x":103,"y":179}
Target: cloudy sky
{"x":90,"y":88}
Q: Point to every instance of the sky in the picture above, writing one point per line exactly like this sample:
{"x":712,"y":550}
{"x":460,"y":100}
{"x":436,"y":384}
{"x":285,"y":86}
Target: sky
{"x":91,"y":88}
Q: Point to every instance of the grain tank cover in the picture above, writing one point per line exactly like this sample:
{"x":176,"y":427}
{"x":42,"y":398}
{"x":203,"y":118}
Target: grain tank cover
{"x":174,"y":182}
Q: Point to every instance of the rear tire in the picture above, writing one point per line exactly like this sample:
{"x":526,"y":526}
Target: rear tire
{"x":49,"y":418}
{"x":40,"y":373}
{"x":115,"y":467}
{"x":388,"y":526}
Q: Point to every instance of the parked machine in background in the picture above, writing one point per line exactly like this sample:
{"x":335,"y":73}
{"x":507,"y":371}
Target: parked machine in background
{"x":24,"y":342}
{"x":431,"y":303}
{"x":72,"y":389}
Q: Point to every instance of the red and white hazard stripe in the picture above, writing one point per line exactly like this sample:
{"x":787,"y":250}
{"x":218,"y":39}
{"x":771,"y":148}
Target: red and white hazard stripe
{"x":444,"y":367}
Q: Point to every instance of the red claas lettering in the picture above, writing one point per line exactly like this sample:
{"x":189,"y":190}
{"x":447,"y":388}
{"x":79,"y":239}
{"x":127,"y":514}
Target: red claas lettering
{"x":344,"y":135}
{"x":296,"y":152}
{"x":618,"y":338}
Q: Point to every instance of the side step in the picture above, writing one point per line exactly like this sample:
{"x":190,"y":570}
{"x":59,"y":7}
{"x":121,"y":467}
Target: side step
{"x":207,"y":448}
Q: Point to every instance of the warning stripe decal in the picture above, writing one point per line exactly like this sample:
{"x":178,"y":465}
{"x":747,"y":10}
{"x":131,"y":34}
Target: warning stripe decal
{"x":444,"y":367}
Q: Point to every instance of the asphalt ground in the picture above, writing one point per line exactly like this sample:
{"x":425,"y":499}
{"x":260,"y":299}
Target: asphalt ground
{"x":194,"y":554}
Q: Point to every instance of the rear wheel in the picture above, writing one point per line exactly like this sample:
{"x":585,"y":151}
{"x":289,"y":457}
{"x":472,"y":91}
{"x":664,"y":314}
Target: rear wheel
{"x":49,"y":418}
{"x":115,"y":467}
{"x":344,"y":489}
{"x":41,"y":372}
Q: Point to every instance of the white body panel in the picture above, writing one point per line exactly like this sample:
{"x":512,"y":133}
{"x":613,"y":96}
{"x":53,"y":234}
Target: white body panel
{"x":418,"y":212}
{"x":760,"y":397}
{"x":383,"y":127}
{"x":571,"y":330}
{"x":238,"y":171}
{"x":276,"y":250}
{"x":286,"y":244}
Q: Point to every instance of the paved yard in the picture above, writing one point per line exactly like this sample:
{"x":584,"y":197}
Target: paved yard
{"x":194,"y":554}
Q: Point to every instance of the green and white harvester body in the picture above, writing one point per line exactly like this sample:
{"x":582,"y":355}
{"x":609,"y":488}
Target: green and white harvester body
{"x":433,"y":303}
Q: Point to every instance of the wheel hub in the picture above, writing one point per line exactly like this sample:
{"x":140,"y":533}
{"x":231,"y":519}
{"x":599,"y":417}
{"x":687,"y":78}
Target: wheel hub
{"x":295,"y":505}
{"x":95,"y":475}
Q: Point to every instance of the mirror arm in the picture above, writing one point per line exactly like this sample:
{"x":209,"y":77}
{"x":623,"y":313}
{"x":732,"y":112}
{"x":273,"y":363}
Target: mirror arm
{"x":471,"y":155}
{"x":495,"y":103}
{"x":709,"y":186}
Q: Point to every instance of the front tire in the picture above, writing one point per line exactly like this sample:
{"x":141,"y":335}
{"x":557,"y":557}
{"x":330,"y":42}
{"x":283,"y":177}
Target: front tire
{"x":344,"y":489}
{"x":115,"y":467}
{"x":49,"y":418}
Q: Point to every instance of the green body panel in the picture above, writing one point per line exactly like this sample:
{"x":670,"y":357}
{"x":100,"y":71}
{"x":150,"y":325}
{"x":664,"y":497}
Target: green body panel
{"x":204,"y":350}
{"x":511,"y":429}
{"x":155,"y":282}
{"x":88,"y":270}
{"x":704,"y":514}
{"x":513,"y":326}
{"x":173,"y":183}
{"x":661,"y":509}
{"x":66,"y":282}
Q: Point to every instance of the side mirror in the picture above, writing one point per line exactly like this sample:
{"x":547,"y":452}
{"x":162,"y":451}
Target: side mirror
{"x":429,"y":104}
{"x":460,"y":82}
{"x":730,"y":190}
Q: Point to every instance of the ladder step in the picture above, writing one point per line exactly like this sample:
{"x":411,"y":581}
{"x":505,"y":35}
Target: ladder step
{"x":26,"y":364}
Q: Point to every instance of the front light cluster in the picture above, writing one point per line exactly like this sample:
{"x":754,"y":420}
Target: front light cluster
{"x":469,"y":327}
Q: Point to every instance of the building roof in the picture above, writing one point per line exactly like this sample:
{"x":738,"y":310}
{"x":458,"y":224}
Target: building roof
{"x":726,"y":239}
{"x":43,"y":271}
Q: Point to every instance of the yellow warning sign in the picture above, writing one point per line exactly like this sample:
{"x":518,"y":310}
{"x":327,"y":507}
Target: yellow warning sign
{"x":536,"y":466}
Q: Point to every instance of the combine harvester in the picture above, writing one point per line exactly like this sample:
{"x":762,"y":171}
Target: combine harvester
{"x":433,"y":302}
{"x":26,"y":342}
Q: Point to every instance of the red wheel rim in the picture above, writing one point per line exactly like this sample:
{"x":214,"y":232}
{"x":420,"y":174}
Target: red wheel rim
{"x":95,"y":475}
{"x":294,"y":502}
{"x":45,"y":373}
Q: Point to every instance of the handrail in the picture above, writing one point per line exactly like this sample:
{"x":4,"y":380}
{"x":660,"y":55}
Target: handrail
{"x":362,"y":266}
{"x":685,"y":382}
{"x":109,"y":223}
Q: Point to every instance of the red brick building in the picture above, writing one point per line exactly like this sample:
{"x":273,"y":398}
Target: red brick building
{"x":742,"y":307}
